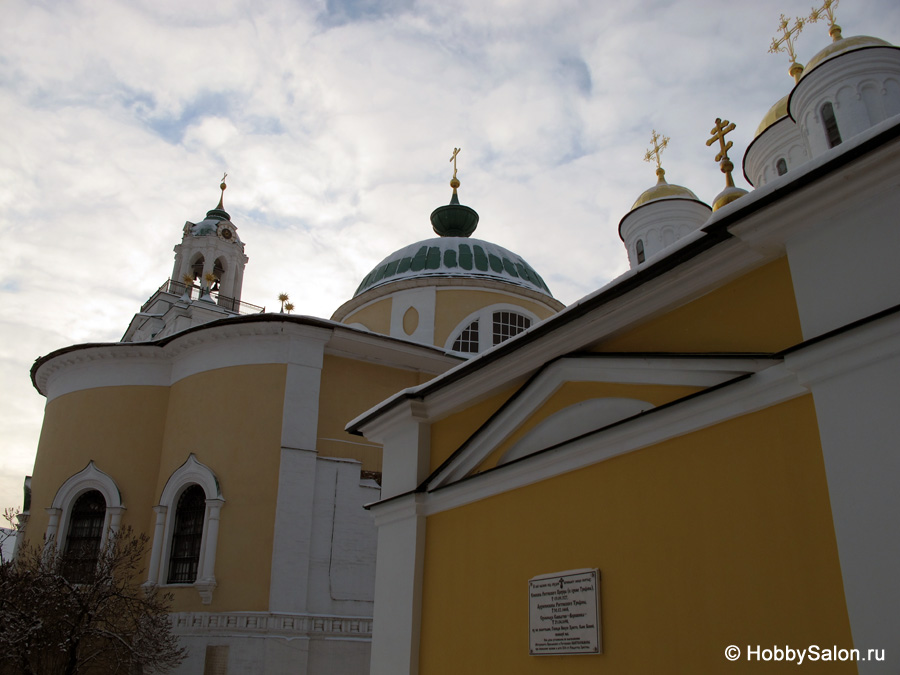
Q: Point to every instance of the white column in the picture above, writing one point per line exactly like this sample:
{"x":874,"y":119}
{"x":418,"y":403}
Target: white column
{"x":22,"y":519}
{"x":53,"y":525}
{"x":855,"y":382}
{"x":159,"y":533}
{"x":206,"y":578}
{"x":398,"y":586}
{"x":292,"y":546}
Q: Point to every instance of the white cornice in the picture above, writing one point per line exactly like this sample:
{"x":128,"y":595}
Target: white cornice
{"x":854,"y":349}
{"x":224,"y":344}
{"x":399,"y":508}
{"x":688,"y":371}
{"x":408,"y":410}
{"x":761,"y":390}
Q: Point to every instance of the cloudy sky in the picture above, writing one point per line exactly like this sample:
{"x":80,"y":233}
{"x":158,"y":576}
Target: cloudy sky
{"x":335,"y":120}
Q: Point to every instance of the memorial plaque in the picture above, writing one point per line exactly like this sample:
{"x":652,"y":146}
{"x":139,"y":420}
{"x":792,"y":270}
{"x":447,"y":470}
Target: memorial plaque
{"x":564,"y":613}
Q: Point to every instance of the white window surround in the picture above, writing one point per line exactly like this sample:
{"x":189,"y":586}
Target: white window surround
{"x":192,"y":472}
{"x":485,"y":318}
{"x":89,"y":478}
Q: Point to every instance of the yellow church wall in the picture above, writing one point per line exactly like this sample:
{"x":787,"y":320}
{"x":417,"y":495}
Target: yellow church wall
{"x":450,"y":433}
{"x":230,"y":418}
{"x":722,"y":537}
{"x":571,"y":393}
{"x":376,"y":317}
{"x":755,"y":313}
{"x":348,"y":388}
{"x":120,"y":429}
{"x":452,"y":306}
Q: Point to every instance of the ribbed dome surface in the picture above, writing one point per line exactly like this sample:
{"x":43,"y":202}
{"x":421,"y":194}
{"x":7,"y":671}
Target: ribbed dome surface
{"x":454,"y":257}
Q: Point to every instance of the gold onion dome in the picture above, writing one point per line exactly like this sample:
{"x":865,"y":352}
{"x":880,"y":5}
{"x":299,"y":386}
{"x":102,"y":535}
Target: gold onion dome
{"x":842,"y":46}
{"x":663,"y":190}
{"x":776,"y":112}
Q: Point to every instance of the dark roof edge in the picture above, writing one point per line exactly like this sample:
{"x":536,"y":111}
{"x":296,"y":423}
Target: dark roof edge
{"x":300,"y":319}
{"x":715,"y":233}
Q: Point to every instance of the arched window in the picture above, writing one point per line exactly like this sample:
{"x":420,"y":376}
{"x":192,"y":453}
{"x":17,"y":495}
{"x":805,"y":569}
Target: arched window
{"x":197,"y":267}
{"x":488,"y":327}
{"x":781,"y":166}
{"x":187,"y":530}
{"x":639,"y":250}
{"x":187,"y":535}
{"x":507,"y":325}
{"x":218,"y":273}
{"x":832,"y":133}
{"x":84,"y":537}
{"x":467,"y":341}
{"x":86,"y":503}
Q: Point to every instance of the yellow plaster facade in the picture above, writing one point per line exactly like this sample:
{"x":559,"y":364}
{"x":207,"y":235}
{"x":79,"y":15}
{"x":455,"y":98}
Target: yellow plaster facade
{"x":690,"y":556}
{"x":754,"y":313}
{"x":448,"y":434}
{"x":375,"y":316}
{"x":342,"y":397}
{"x":120,"y":428}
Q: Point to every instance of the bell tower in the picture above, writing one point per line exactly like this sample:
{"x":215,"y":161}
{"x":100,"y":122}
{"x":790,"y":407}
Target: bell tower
{"x":206,"y":280}
{"x":211,"y":256}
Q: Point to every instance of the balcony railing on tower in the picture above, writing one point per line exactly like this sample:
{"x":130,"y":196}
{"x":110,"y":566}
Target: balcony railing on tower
{"x":193,"y":292}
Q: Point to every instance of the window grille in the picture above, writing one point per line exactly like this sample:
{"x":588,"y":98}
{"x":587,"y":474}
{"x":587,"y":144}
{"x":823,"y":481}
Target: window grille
{"x":84,"y":536}
{"x":187,"y":536}
{"x":832,"y":132}
{"x":508,"y":324}
{"x":467,"y":342}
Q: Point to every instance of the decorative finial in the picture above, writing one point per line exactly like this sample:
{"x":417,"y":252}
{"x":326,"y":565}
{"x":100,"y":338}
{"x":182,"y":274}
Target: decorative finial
{"x":454,"y":219}
{"x":454,"y":182}
{"x":654,"y":154}
{"x":730,"y":193}
{"x":222,"y":187}
{"x":826,"y":11}
{"x":786,"y":43}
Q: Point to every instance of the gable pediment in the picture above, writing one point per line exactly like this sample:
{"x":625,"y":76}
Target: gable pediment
{"x":581,"y":394}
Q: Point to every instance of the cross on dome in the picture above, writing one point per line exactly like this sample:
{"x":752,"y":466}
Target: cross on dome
{"x":786,"y":43}
{"x":826,"y":11}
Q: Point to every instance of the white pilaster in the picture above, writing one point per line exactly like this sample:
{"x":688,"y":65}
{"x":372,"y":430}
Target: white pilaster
{"x":855,"y":381}
{"x":398,"y":586}
{"x":291,"y":549}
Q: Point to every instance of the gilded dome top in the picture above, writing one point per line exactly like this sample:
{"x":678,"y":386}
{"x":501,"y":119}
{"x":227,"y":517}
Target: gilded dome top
{"x":450,"y":256}
{"x":843,"y":46}
{"x":663,"y":190}
{"x":776,"y":112}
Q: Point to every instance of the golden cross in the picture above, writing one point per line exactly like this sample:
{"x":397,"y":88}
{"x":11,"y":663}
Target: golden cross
{"x":718,"y":134}
{"x":786,"y":43}
{"x":224,"y":176}
{"x":653,"y":155}
{"x":827,"y":9}
{"x":453,"y":159}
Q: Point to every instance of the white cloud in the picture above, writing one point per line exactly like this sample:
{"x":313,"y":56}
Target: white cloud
{"x":335,"y":121}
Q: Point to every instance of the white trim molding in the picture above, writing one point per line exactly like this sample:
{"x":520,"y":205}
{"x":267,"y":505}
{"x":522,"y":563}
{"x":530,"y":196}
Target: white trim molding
{"x":192,"y":472}
{"x":89,"y":478}
{"x":272,"y":624}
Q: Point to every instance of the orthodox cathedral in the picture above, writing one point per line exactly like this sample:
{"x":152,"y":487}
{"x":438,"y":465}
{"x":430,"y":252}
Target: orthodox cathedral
{"x":681,"y":472}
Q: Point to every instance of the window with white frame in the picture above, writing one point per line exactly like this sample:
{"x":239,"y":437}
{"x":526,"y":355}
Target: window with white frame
{"x":86,"y":509}
{"x":187,"y":530}
{"x":488,"y":327}
{"x":84,"y":537}
{"x":187,"y":536}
